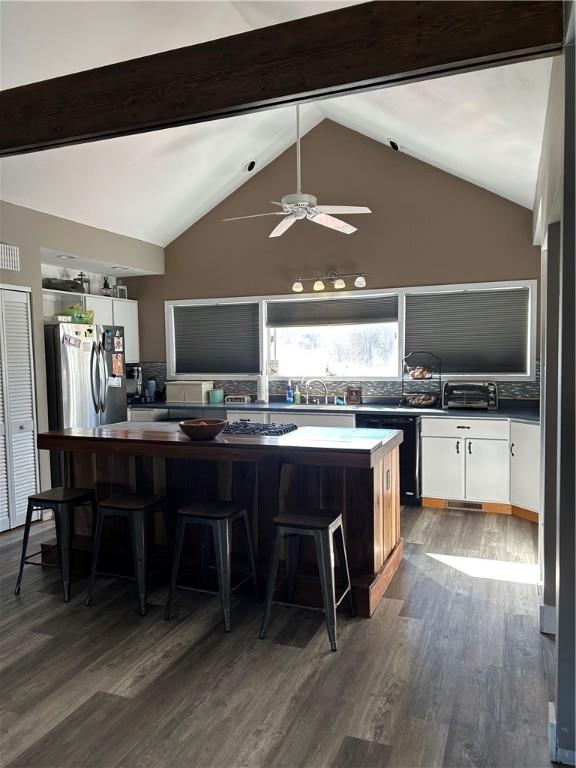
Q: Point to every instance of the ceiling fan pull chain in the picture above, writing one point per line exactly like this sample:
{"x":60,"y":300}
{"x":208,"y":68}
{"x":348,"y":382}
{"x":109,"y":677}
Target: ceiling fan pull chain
{"x":298,"y":167}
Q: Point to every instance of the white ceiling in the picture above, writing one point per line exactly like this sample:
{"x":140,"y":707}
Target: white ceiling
{"x":485,"y":126}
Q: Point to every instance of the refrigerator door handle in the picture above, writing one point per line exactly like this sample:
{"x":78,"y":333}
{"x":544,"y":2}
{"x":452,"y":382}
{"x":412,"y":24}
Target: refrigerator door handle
{"x":103,"y":378}
{"x":95,"y":398}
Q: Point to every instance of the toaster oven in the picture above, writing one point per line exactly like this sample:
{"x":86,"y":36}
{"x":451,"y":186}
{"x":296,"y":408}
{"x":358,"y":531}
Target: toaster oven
{"x":470,"y":394}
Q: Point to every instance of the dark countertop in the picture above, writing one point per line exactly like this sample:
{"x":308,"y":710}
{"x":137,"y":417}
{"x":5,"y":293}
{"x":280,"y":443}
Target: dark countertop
{"x":308,"y":445}
{"x":519,"y":410}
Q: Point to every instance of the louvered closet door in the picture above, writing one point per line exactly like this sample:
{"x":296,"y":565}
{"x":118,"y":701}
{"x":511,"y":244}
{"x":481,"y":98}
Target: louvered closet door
{"x":4,"y":519}
{"x":19,"y":410}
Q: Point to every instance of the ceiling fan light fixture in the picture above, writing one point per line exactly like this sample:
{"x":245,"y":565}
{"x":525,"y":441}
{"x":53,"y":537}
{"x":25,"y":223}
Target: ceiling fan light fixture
{"x":360,"y":282}
{"x":318,"y":285}
{"x":339,"y":283}
{"x":297,"y":286}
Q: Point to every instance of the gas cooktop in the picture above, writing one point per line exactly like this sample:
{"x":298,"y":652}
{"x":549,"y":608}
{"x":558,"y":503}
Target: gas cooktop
{"x":252,"y":428}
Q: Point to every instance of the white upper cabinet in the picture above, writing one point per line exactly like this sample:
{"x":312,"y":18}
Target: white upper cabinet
{"x":125,"y":313}
{"x":102,"y":307}
{"x":525,"y":466}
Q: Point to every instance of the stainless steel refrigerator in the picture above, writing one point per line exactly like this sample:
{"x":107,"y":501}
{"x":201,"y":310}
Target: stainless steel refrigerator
{"x":86,"y":375}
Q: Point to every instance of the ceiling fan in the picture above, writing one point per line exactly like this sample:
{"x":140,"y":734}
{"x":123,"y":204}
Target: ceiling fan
{"x":299,"y":205}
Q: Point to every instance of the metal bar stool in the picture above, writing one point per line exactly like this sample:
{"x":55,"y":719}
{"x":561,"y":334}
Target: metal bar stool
{"x":327,"y":530}
{"x":217,"y":518}
{"x":62,"y":502}
{"x":134,"y":509}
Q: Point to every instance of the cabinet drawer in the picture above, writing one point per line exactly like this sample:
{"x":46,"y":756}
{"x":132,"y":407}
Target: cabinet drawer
{"x":314,"y":419}
{"x":448,"y":426}
{"x":254,"y":417}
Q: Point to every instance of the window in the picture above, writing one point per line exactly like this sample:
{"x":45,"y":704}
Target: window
{"x":473,"y":331}
{"x":215,"y":339}
{"x":338,"y":337}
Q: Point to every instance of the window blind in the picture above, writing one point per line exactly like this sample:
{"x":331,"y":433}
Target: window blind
{"x":284,"y":314}
{"x":218,"y":339}
{"x":472,"y":332}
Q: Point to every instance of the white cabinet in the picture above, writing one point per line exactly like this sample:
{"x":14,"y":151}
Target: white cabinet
{"x":18,"y":454}
{"x":443,"y":467}
{"x":102,"y":308}
{"x":313,"y":419}
{"x":254,"y":417}
{"x":466,"y":459}
{"x":125,"y":313}
{"x":487,"y":471}
{"x":525,"y":465}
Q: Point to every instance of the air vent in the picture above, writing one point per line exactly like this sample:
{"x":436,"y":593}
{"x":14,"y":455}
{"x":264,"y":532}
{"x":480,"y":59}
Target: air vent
{"x":452,"y":504}
{"x":9,"y":257}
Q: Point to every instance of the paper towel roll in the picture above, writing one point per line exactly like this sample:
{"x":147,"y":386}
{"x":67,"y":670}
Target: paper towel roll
{"x":262,"y":389}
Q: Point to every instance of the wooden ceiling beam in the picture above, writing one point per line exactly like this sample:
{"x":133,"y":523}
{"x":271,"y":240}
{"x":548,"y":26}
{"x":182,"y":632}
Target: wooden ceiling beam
{"x":366,"y":46}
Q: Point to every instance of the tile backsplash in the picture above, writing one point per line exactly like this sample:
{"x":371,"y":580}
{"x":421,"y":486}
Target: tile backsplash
{"x":507,"y":390}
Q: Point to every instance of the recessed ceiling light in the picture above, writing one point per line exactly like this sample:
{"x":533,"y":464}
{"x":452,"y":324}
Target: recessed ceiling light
{"x":118,"y":269}
{"x":65,"y":256}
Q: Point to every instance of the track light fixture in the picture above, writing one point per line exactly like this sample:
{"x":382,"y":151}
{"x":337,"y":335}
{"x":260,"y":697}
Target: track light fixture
{"x":335,"y":279}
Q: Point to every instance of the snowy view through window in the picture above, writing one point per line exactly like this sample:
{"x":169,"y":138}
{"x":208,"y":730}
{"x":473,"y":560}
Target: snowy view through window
{"x":337,"y":350}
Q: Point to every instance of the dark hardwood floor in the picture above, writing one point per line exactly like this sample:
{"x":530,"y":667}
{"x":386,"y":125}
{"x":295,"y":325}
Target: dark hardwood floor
{"x":450,"y":671}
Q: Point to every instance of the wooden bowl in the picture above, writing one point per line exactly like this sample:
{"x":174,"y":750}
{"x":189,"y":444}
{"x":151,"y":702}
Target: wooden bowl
{"x":202,"y":429}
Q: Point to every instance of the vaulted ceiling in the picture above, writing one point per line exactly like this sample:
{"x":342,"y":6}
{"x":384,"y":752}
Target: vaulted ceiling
{"x":485,"y":127}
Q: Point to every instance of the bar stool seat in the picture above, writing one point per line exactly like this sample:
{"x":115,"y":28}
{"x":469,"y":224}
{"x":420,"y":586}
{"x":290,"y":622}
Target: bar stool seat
{"x":61,"y":495}
{"x":61,"y":501}
{"x":134,"y":509}
{"x":327,"y":530}
{"x":217,"y":518}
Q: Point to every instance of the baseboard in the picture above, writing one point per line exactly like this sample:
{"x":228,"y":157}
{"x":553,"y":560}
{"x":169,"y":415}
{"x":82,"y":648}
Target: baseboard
{"x":428,"y":501}
{"x":481,"y":506}
{"x":557,"y":754}
{"x":525,"y":514}
{"x":547,"y":619}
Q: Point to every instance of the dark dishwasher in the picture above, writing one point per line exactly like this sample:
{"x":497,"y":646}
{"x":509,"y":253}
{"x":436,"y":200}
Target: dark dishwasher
{"x":409,"y":450}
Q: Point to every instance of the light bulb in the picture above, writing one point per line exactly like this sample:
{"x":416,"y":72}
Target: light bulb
{"x":360,"y":282}
{"x":318,"y":285}
{"x":297,"y":287}
{"x":339,"y":284}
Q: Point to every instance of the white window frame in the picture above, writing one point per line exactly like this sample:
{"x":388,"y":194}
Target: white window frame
{"x":265,"y":332}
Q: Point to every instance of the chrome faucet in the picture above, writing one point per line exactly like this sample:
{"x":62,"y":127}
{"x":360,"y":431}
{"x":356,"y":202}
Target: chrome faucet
{"x":316,"y":381}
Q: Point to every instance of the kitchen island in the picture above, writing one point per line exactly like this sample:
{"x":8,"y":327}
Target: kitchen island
{"x":354,"y":471}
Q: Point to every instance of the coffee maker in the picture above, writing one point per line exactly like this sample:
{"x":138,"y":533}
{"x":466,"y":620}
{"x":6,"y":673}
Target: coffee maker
{"x":134,"y":382}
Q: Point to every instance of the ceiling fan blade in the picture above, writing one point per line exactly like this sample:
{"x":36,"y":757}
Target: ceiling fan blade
{"x":332,"y":223}
{"x":283,"y":226}
{"x":275,"y":202}
{"x":257,"y":215}
{"x":343,"y":209}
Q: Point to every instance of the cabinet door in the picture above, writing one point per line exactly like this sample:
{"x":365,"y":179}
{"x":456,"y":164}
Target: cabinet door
{"x":488,"y":471}
{"x":443,"y":467}
{"x":19,"y":442}
{"x":102,"y":306}
{"x":314,"y":419}
{"x":525,"y":466}
{"x":126,"y":314}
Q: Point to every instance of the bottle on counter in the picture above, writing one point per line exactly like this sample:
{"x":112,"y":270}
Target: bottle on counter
{"x":297,"y":396}
{"x":151,"y":389}
{"x":289,"y":392}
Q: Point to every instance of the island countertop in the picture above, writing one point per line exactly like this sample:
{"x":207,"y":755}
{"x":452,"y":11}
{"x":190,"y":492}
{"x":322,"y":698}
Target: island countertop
{"x":328,"y":446}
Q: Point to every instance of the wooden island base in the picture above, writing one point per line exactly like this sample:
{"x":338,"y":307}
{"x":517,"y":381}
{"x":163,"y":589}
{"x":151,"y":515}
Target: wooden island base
{"x":269,"y":475}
